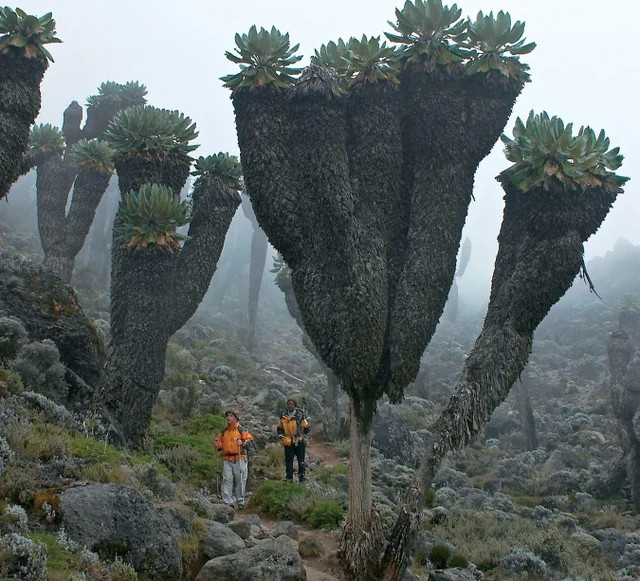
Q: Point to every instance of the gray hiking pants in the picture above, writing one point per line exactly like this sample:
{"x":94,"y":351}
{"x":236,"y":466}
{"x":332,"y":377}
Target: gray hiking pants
{"x":234,"y":472}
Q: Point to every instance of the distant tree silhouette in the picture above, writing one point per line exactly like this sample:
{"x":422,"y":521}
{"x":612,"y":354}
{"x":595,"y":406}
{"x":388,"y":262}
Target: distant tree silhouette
{"x":75,"y":162}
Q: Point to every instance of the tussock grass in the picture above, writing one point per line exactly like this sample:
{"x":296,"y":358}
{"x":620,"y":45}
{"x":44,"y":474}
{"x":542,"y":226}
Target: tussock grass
{"x":485,"y":538}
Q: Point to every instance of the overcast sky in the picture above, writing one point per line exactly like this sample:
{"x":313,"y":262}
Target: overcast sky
{"x":585,"y":69}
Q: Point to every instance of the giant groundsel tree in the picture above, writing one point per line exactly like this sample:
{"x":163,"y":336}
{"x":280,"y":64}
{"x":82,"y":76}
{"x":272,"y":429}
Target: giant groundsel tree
{"x":23,"y":61}
{"x":75,"y":163}
{"x":361,"y":172}
{"x":558,"y":191}
{"x":157,"y":278}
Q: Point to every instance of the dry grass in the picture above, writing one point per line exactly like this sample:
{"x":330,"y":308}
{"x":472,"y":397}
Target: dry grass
{"x":485,"y":539}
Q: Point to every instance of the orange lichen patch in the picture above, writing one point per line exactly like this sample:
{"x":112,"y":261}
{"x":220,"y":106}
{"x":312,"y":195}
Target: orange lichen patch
{"x":51,"y":496}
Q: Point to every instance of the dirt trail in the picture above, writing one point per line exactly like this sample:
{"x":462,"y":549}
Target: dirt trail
{"x":324,"y":567}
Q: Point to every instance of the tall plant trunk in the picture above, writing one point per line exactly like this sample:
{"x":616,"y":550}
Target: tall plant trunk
{"x":63,"y":236}
{"x":527,"y":419}
{"x":624,"y":365}
{"x":539,"y":256}
{"x":53,"y":181}
{"x":135,"y":362}
{"x":153,"y":293}
{"x":20,"y":79}
{"x":361,"y":541}
{"x":450,"y":126}
{"x":57,"y":260}
{"x":331,"y":419}
{"x":259,"y":245}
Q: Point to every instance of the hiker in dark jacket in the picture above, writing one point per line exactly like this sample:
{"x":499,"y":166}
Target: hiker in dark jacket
{"x":292,"y":428}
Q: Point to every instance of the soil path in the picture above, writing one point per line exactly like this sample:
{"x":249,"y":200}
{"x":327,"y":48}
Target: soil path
{"x":324,"y":567}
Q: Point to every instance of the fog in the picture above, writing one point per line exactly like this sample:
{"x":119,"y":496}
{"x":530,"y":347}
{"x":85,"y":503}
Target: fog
{"x":584,"y":69}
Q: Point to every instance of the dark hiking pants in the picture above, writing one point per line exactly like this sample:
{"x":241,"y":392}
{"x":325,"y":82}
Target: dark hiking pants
{"x":291,"y":452}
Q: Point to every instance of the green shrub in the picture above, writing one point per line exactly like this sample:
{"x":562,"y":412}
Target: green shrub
{"x":208,"y":424}
{"x":458,"y":560}
{"x":274,"y":497}
{"x":333,"y":476}
{"x":439,"y":555}
{"x":58,"y":558}
{"x":325,"y":514}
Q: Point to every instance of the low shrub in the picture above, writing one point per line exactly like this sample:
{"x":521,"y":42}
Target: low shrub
{"x":325,"y":514}
{"x":458,"y":560}
{"x":439,"y":555}
{"x":274,"y":497}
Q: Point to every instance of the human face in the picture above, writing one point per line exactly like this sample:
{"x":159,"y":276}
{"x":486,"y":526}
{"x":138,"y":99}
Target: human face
{"x":232,"y":420}
{"x":291,"y":406}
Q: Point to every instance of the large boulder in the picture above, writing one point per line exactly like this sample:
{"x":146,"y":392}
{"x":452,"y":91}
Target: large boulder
{"x":269,"y":560}
{"x":218,"y":540}
{"x":112,"y":519}
{"x":49,"y":309}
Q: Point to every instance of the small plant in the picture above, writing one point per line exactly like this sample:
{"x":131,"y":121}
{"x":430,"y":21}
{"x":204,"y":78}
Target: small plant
{"x":628,"y":304}
{"x":491,"y":40}
{"x":151,"y":216}
{"x":46,"y":138}
{"x":13,"y":336}
{"x":439,"y":555}
{"x":92,"y":155}
{"x":274,"y":497}
{"x":546,"y":154}
{"x":19,"y":30}
{"x":265,"y":58}
{"x":458,"y":560}
{"x":149,"y":131}
{"x":223,"y":169}
{"x":325,"y":514}
{"x":430,"y":34}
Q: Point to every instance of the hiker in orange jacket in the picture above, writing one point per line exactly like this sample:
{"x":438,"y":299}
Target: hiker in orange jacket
{"x":292,"y":428}
{"x":233,"y":442}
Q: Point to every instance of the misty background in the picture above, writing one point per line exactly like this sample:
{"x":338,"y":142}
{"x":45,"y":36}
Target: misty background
{"x":584,"y":70}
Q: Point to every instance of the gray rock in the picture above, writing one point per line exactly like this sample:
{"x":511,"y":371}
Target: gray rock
{"x":286,"y":527}
{"x":269,"y":560}
{"x":49,"y":309}
{"x":218,"y":540}
{"x":221,"y":512}
{"x":113,"y":519}
{"x":583,"y":502}
{"x":242,"y":528}
{"x":310,"y":547}
{"x":455,"y":574}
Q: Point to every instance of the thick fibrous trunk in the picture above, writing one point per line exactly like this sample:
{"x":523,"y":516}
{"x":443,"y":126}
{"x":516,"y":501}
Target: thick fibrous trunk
{"x":62,"y":234}
{"x":449,"y":127}
{"x":153,"y":293}
{"x":527,"y":418}
{"x":263,"y":128}
{"x":540,"y":254}
{"x":213,"y":210}
{"x":624,"y":365}
{"x":20,"y":79}
{"x":361,"y":542}
{"x":135,"y":363}
{"x":258,"y":258}
{"x":259,"y":244}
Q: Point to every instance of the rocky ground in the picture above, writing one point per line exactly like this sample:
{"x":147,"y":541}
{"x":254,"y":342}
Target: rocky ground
{"x":75,"y":507}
